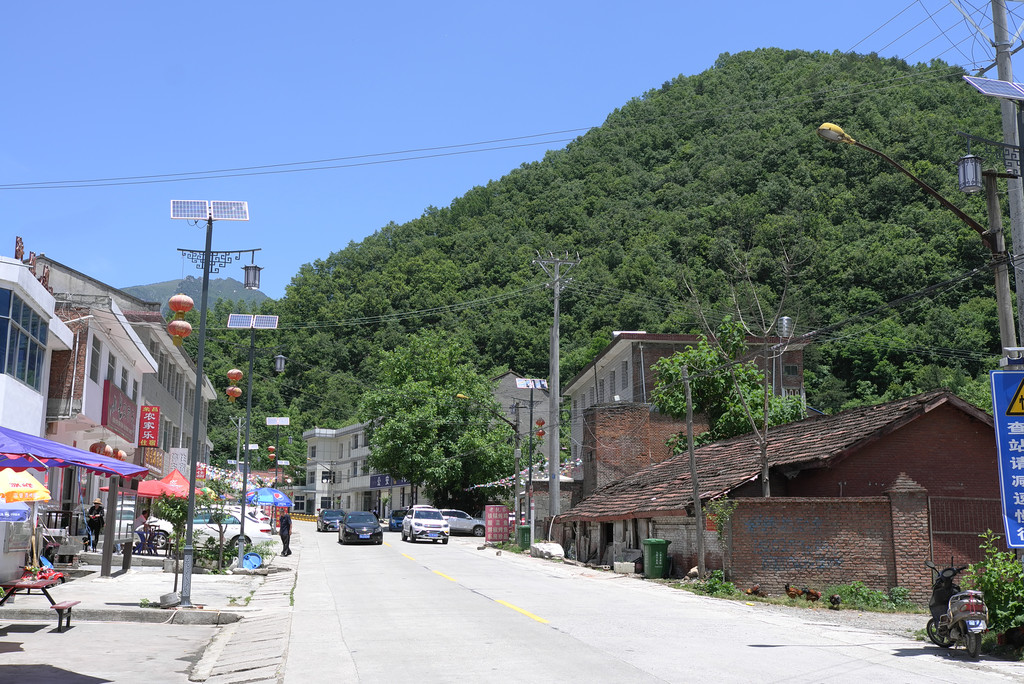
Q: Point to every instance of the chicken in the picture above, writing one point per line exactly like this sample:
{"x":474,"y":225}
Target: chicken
{"x":834,"y":600}
{"x":792,"y":591}
{"x":811,"y":594}
{"x":755,"y":591}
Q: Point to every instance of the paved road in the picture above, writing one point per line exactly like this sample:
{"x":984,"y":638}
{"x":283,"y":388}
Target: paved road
{"x":432,"y":613}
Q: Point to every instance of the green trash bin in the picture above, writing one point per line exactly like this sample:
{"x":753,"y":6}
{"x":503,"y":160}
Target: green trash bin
{"x":655,"y":557}
{"x":523,"y":536}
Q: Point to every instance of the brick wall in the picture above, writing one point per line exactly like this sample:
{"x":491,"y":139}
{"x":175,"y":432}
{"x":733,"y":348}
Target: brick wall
{"x":945,"y":451}
{"x":813,"y":542}
{"x":63,"y":371}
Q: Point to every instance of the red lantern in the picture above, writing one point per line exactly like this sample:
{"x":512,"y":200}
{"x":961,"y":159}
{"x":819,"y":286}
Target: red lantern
{"x":98,"y":447}
{"x":180,"y":304}
{"x":120,"y":455}
{"x":540,"y":422}
{"x":234,"y":375}
{"x":233,"y":393}
{"x":179,"y":330}
{"x":108,"y":450}
{"x":541,"y":433}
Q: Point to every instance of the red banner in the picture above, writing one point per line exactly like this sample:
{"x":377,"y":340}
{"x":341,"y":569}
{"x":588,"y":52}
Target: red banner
{"x":496,"y":521}
{"x":118,"y":412}
{"x":149,"y":426}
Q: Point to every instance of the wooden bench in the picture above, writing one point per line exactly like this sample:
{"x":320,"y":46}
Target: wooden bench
{"x":64,"y":608}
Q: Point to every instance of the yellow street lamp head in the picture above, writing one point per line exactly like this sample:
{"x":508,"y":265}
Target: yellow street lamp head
{"x":833,"y":133}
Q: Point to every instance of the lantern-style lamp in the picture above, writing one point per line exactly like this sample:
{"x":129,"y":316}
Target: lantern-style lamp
{"x":234,"y":375}
{"x":120,"y":455}
{"x":233,"y":393}
{"x":271,"y":449}
{"x":279,"y":363}
{"x":252,"y":276}
{"x":179,"y":328}
{"x":968,"y":173}
{"x":98,"y":447}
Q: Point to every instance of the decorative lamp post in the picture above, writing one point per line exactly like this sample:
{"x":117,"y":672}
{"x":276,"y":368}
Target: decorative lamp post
{"x":208,"y":261}
{"x":968,"y":172}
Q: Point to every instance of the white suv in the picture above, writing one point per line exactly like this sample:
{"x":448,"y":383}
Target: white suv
{"x":425,"y":522}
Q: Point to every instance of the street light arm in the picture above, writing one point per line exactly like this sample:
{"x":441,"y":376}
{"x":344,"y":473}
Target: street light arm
{"x":931,"y":191}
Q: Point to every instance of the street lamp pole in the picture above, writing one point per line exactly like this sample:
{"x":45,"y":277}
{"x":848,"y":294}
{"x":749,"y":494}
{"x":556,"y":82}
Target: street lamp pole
{"x":992,"y":238}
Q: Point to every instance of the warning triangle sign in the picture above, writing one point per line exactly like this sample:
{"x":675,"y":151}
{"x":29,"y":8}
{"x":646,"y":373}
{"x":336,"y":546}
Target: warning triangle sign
{"x":1016,"y":406}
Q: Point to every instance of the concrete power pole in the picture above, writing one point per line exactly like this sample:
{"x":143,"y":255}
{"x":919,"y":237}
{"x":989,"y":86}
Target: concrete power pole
{"x":1014,"y":186}
{"x":553,"y":266}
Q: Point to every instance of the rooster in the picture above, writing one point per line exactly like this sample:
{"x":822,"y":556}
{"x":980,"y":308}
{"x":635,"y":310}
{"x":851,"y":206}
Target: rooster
{"x":755,"y":591}
{"x":834,"y":600}
{"x":811,"y":595}
{"x":793,"y":592}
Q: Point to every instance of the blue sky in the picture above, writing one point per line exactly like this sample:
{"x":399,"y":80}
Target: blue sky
{"x":125,"y":90}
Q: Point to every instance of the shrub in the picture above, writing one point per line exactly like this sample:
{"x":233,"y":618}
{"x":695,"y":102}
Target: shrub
{"x":859,"y":595}
{"x":1001,"y":577}
{"x":715,"y":585}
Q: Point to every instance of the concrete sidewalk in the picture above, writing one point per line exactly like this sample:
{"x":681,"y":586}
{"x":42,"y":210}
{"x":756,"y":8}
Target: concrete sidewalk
{"x":238,"y":631}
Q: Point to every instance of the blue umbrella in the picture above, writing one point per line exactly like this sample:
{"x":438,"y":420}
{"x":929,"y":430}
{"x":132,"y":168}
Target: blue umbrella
{"x":267,"y":496}
{"x":13,"y":512}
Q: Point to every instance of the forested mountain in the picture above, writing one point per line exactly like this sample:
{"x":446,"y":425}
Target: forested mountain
{"x":716,"y":180}
{"x":220,"y":288}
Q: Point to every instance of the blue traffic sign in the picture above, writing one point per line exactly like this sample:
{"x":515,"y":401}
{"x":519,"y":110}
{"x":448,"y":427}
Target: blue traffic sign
{"x":1008,"y":412}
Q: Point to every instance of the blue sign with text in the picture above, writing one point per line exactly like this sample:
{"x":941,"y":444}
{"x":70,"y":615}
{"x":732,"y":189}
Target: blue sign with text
{"x":383,"y":481}
{"x":1008,"y":412}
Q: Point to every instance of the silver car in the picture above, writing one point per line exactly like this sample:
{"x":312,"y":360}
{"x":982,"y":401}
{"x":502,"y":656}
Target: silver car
{"x":461,"y":522}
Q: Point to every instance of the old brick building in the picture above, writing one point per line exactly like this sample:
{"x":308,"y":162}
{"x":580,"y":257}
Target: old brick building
{"x":867,"y":494}
{"x":614,"y":429}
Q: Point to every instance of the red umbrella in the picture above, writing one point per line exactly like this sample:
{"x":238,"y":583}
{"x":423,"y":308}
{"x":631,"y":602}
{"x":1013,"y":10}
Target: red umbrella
{"x":174,"y":484}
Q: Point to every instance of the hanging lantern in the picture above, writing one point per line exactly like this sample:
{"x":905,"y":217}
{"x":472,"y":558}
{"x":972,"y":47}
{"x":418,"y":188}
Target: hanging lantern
{"x":234,"y":375}
{"x":108,"y":451}
{"x":180,"y":304}
{"x":179,"y":330}
{"x":541,"y":433}
{"x":98,"y":448}
{"x":540,"y":422}
{"x":271,"y":449}
{"x":120,"y":455}
{"x":233,"y":393}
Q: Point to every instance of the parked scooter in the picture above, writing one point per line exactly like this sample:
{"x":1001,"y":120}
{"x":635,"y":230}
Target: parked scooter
{"x":959,"y":618}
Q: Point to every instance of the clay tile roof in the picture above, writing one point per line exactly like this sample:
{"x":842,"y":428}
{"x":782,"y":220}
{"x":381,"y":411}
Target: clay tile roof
{"x":666,"y":487}
{"x":144,"y":317}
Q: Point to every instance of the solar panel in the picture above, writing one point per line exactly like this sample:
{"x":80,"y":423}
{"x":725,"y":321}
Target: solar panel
{"x":221,"y":210}
{"x":240,"y":321}
{"x":265,"y":322}
{"x":994,"y":88}
{"x":190,"y":209}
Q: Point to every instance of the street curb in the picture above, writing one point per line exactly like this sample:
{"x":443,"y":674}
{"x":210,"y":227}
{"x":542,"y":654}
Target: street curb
{"x":185,"y":616}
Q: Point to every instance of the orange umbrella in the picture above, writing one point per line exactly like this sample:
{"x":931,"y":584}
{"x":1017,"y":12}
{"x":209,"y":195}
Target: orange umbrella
{"x":20,"y":486}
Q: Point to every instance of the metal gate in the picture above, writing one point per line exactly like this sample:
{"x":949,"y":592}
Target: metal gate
{"x":955,"y":524}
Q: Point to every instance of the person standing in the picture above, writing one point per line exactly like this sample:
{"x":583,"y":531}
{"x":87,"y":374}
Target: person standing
{"x":94,"y":521}
{"x":284,"y":528}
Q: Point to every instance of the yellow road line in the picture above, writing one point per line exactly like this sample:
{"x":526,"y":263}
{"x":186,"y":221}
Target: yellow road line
{"x":444,"y":575}
{"x":387,"y":545}
{"x":408,"y":556}
{"x":520,"y":610}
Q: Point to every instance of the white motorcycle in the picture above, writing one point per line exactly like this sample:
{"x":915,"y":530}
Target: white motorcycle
{"x":959,"y":618}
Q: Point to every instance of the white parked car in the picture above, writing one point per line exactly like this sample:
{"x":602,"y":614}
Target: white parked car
{"x":256,"y":532}
{"x":461,"y":522}
{"x":425,"y":522}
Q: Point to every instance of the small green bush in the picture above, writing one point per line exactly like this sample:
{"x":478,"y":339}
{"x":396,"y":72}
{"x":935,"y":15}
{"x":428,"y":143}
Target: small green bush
{"x":715,"y":585}
{"x":859,"y":595}
{"x":1001,"y":577}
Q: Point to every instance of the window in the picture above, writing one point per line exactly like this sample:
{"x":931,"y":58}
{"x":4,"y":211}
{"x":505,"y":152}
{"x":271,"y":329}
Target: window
{"x":611,"y":382}
{"x":124,"y":380}
{"x":325,"y":502}
{"x":312,"y":452}
{"x":135,"y":391}
{"x":600,"y":391}
{"x":791,"y":369}
{"x":355,"y":441}
{"x":111,"y":366}
{"x":23,"y":331}
{"x":94,"y":360}
{"x":625,"y":374}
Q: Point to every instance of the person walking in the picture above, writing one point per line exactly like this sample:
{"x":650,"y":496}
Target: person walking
{"x":284,"y":528}
{"x":94,"y":522}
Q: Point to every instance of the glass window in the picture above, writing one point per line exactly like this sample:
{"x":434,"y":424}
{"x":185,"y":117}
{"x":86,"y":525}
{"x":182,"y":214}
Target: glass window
{"x":94,"y":360}
{"x":135,"y":391}
{"x":625,"y":374}
{"x":611,"y":382}
{"x":23,"y":340}
{"x":111,"y":366}
{"x":5,"y":303}
{"x":791,"y":370}
{"x":124,"y":380}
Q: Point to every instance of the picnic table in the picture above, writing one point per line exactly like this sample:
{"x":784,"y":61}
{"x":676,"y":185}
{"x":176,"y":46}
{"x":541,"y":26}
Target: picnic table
{"x":26,"y":585}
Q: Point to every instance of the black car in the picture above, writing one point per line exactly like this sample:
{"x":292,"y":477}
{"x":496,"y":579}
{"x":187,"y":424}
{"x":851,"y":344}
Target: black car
{"x":360,"y":527}
{"x":328,"y":519}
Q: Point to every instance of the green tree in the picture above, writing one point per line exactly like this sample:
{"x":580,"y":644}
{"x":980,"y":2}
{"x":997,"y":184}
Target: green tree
{"x":420,"y":430}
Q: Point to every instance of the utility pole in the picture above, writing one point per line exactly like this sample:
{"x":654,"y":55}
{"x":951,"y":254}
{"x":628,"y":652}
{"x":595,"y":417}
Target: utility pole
{"x":1011,"y":115}
{"x":553,"y":267}
{"x":1010,"y":110}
